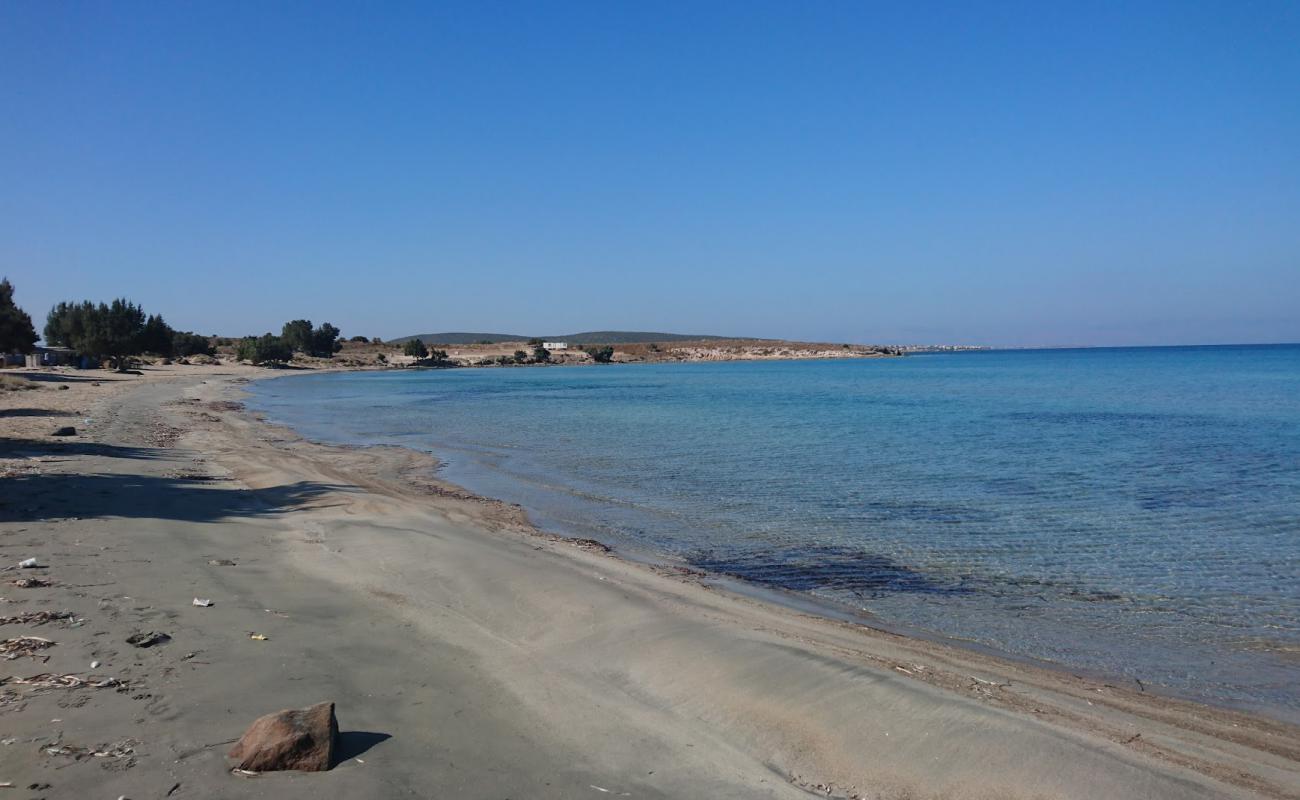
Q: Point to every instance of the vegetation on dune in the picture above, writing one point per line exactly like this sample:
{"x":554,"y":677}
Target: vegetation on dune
{"x":265,"y":349}
{"x":17,"y":334}
{"x":541,"y":355}
{"x":415,"y":348}
{"x":186,"y":344}
{"x":13,"y":383}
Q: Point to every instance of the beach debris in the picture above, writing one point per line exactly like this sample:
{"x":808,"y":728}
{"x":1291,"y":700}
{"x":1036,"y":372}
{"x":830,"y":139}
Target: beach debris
{"x":94,"y":665}
{"x":202,"y":603}
{"x":29,"y":563}
{"x":66,"y":430}
{"x":222,"y":562}
{"x":20,"y":646}
{"x":148,"y":639}
{"x":124,"y":749}
{"x":257,"y":637}
{"x":31,"y":583}
{"x":49,"y":680}
{"x":36,"y":617}
{"x":292,"y":739}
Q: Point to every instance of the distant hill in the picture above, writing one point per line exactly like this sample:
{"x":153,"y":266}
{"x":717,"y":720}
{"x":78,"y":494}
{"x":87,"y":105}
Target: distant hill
{"x":588,"y":337}
{"x":460,"y":337}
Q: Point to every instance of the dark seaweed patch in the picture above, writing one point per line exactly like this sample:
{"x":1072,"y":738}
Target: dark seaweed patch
{"x":823,"y":567}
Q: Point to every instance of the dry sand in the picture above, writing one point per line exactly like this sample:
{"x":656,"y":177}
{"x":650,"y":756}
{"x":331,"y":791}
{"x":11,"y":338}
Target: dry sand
{"x":470,"y":657}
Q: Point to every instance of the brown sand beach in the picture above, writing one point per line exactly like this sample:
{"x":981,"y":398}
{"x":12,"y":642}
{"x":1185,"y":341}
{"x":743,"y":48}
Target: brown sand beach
{"x":468,"y":655}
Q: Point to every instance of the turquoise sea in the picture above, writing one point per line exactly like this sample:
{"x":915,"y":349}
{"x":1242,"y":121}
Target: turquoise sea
{"x":1131,"y":512}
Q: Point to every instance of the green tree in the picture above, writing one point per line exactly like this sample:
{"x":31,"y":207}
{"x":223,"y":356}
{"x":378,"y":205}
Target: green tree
{"x":298,"y":335}
{"x":439,"y":356}
{"x":112,"y":331}
{"x":265,"y":349}
{"x":321,"y":342}
{"x":325,"y":341}
{"x":67,"y":323}
{"x":541,"y":354}
{"x":520,"y":356}
{"x":156,"y":337}
{"x":601,"y":355}
{"x":534,"y":342}
{"x":415,"y":348}
{"x":17,"y":334}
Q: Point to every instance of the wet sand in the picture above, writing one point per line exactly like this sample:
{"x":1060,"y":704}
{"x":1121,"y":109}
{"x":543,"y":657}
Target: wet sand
{"x":471,"y":657}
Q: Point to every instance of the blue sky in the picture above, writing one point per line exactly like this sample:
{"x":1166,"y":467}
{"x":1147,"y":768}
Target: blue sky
{"x":1037,"y":173}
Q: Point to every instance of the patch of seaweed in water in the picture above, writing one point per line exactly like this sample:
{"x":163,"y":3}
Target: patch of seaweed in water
{"x":823,"y":567}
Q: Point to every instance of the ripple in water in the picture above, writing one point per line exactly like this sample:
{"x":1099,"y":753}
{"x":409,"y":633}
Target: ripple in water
{"x":1132,"y":511}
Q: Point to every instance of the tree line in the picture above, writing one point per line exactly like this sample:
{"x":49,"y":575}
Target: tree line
{"x":121,"y":329}
{"x":117,"y":331}
{"x":297,"y":336}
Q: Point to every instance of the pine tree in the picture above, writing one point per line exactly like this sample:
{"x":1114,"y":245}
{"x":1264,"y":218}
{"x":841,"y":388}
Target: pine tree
{"x":17,"y":335}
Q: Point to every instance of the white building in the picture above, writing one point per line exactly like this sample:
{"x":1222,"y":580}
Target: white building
{"x":556,"y":345}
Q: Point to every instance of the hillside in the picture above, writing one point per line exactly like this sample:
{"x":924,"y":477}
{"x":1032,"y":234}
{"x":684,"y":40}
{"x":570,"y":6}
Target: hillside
{"x":588,"y":337}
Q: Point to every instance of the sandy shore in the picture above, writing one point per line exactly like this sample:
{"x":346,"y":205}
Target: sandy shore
{"x":470,"y":657}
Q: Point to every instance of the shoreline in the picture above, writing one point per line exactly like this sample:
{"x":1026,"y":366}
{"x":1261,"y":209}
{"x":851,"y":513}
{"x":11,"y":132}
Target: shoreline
{"x":794,"y":599}
{"x":457,"y":635}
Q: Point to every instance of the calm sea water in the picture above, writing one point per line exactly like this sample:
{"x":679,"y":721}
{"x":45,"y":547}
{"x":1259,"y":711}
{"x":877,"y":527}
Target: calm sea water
{"x":1129,"y":511}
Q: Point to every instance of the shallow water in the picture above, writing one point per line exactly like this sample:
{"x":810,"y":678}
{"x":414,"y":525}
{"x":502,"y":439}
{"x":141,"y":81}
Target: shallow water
{"x":1130,"y":511}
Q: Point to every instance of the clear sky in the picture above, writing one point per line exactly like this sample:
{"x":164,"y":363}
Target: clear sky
{"x":996,"y":172}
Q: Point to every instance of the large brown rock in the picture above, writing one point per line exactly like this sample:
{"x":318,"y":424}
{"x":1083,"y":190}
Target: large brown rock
{"x":301,"y":739}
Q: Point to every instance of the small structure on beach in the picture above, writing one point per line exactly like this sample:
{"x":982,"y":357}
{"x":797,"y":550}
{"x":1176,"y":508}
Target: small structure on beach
{"x":55,"y":357}
{"x":555,"y":345}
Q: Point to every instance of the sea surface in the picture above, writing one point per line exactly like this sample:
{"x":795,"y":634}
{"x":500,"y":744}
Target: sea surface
{"x":1128,"y":512}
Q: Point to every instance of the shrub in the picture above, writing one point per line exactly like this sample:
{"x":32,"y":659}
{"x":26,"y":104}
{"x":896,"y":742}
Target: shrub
{"x":265,"y":349}
{"x":601,"y":355}
{"x":186,"y":344}
{"x":520,"y":356}
{"x":416,"y":348}
{"x":13,"y":383}
{"x":541,"y":354}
